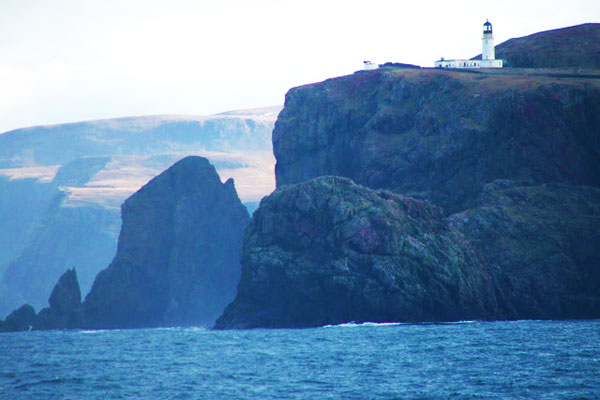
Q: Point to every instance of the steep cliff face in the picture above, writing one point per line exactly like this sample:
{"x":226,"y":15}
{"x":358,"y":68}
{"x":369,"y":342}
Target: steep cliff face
{"x":441,"y":135}
{"x":511,"y":157}
{"x":543,"y":243}
{"x":177,"y":260}
{"x":329,"y":251}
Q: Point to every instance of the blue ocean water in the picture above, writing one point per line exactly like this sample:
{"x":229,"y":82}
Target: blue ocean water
{"x":470,"y":360}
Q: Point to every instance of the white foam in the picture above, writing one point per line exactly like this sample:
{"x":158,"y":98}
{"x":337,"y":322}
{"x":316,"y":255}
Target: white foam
{"x":362,"y":324}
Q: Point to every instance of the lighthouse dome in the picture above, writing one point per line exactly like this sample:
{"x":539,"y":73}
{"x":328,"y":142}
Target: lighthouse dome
{"x":487,"y":27}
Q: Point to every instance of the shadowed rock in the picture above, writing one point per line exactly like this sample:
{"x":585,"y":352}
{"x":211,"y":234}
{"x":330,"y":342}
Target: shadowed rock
{"x":21,"y":319}
{"x":543,"y":243}
{"x":177,"y":261}
{"x":329,"y":251}
{"x":441,"y":135}
{"x":65,"y":305}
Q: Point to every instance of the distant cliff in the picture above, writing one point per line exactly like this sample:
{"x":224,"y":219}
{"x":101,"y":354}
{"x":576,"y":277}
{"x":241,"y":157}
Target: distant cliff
{"x":177,"y":261}
{"x":62,"y":186}
{"x":573,"y":47}
{"x":441,"y":135}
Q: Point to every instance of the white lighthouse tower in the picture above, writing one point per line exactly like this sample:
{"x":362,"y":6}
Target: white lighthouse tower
{"x":488,"y":55}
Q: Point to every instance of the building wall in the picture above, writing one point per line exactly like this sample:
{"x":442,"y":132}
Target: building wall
{"x":370,"y":66}
{"x":491,"y":64}
{"x":457,"y":63}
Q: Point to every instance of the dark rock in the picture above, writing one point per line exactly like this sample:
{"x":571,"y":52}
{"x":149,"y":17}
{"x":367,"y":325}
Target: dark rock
{"x":573,"y":47}
{"x":65,"y":305}
{"x":21,"y":319}
{"x":329,"y":251}
{"x":66,"y":296}
{"x":543,"y":242}
{"x":177,"y":261}
{"x":441,"y":135}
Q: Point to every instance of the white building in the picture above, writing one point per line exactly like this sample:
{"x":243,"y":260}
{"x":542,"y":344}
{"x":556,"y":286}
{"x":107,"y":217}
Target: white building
{"x":488,"y":56}
{"x":369,"y":66}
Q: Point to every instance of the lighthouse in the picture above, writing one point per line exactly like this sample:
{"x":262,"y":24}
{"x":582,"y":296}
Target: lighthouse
{"x":487,"y":52}
{"x":488,"y":56}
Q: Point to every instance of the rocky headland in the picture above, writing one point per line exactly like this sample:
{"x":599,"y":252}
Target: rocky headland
{"x":476,"y":197}
{"x":328,"y":251}
{"x":403,"y":195}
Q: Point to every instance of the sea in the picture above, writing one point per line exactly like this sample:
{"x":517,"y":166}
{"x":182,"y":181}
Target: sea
{"x":465,"y":360}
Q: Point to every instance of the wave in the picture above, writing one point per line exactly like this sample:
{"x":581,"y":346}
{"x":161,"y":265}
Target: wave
{"x":379,"y":324}
{"x":362,"y":324}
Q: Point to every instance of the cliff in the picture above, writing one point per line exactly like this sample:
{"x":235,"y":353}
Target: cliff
{"x":572,"y":47}
{"x":329,"y":251}
{"x":441,"y":135}
{"x":177,"y":260}
{"x":65,"y":234}
{"x":490,"y":210}
{"x":62,"y":187}
{"x":542,"y":241}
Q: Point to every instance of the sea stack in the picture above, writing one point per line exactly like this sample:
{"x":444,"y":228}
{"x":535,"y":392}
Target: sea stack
{"x":177,"y":261}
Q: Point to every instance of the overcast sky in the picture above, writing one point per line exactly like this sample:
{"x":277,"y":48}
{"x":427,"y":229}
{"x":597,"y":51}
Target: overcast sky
{"x":72,"y":60}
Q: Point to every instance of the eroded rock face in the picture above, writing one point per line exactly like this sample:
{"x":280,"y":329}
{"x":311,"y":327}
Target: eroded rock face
{"x":543,"y":243}
{"x":329,"y":251}
{"x":177,"y":261}
{"x":66,"y":295}
{"x":441,"y":135}
{"x":65,"y":305}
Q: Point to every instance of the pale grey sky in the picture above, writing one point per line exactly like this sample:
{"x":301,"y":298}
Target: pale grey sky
{"x":72,"y":60}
